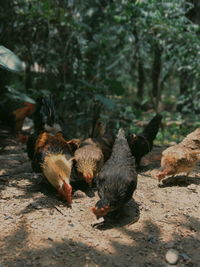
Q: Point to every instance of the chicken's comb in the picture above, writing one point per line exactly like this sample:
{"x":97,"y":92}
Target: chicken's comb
{"x":28,"y":104}
{"x":93,"y":209}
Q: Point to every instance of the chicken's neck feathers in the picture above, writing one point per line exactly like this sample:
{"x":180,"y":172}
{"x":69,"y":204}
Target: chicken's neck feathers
{"x":57,"y":167}
{"x":121,"y":148}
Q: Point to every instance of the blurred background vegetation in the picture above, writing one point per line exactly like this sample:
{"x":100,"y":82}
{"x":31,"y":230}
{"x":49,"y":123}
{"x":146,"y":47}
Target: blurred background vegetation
{"x":119,"y":60}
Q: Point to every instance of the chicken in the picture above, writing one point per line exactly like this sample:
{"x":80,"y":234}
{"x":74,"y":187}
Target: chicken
{"x":93,"y":152}
{"x":117,"y":179}
{"x":89,"y":160}
{"x":141,"y":144}
{"x":98,"y":129}
{"x":105,"y":142}
{"x":104,"y":138}
{"x":53,"y":157}
{"x":182,"y":157}
{"x":45,"y":120}
{"x":45,"y":117}
{"x":14,"y":118}
{"x":20,"y":114}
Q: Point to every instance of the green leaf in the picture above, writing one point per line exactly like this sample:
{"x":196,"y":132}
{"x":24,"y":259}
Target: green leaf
{"x":115,"y":87}
{"x":107,"y":102}
{"x":14,"y":94}
{"x":9,"y":61}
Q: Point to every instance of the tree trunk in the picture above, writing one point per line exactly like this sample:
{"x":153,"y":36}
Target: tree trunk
{"x":140,"y":68}
{"x":186,"y":77}
{"x":141,"y":79}
{"x":156,"y":71}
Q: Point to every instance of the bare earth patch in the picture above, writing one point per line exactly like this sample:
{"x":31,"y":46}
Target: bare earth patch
{"x":37,"y":228}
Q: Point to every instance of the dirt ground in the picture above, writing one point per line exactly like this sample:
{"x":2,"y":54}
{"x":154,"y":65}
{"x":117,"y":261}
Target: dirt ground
{"x":37,"y":228}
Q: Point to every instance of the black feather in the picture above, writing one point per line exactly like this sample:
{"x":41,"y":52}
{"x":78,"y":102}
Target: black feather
{"x":44,"y":115}
{"x":141,"y":144}
{"x":117,"y":179}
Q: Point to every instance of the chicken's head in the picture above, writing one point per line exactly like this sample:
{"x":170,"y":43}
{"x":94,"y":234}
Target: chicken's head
{"x":162,"y":174}
{"x":88,"y":177}
{"x":101,"y":209}
{"x":66,"y":191}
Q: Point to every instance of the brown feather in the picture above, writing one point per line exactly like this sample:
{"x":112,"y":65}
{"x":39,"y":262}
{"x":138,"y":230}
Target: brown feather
{"x":89,"y":158}
{"x":41,"y":141}
{"x":182,"y":157}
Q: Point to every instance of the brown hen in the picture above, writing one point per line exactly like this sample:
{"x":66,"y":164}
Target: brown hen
{"x":182,"y":157}
{"x":53,"y":157}
{"x":89,"y":160}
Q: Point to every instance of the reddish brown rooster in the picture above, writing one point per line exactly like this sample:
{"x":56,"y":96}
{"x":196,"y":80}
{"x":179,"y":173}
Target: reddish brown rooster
{"x":45,"y":119}
{"x":53,"y":157}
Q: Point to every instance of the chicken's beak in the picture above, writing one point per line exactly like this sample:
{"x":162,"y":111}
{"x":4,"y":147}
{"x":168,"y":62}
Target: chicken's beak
{"x":88,"y":178}
{"x":100,"y":212}
{"x":94,"y":210}
{"x":67,"y":193}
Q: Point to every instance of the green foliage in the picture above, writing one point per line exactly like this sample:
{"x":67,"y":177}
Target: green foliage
{"x":88,"y":52}
{"x":9,"y":61}
{"x":15,"y":95}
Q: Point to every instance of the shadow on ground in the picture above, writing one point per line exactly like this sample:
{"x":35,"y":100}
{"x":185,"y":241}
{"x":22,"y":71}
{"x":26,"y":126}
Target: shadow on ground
{"x":146,"y":249}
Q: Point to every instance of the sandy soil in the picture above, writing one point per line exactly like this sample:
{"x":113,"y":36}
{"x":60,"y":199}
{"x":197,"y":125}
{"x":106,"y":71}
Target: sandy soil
{"x":37,"y":228}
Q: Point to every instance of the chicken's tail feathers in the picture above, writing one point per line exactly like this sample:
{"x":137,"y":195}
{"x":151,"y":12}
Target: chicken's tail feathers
{"x":45,"y":116}
{"x":98,"y":129}
{"x":153,"y":126}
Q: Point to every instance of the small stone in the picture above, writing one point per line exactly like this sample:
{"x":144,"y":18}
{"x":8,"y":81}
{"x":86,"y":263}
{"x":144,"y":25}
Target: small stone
{"x":170,"y":244}
{"x":185,"y":256}
{"x":152,"y":239}
{"x":79,"y":194}
{"x":117,"y":235}
{"x":72,"y":244}
{"x":76,"y":201}
{"x":35,"y":205}
{"x":8,"y":217}
{"x":49,"y":238}
{"x":2,"y":172}
{"x":56,"y":253}
{"x":192,"y":187}
{"x":172,"y":256}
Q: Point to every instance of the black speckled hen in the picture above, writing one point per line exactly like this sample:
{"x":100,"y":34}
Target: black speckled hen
{"x":117,"y":179}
